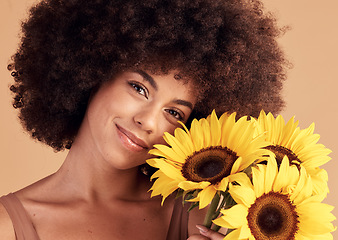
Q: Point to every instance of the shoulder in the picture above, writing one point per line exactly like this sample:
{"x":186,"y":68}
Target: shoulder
{"x":6,"y":226}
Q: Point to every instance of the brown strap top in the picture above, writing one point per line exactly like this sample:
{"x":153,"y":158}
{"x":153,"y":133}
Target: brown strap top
{"x":24,"y":229}
{"x":178,"y":228}
{"x":23,"y":226}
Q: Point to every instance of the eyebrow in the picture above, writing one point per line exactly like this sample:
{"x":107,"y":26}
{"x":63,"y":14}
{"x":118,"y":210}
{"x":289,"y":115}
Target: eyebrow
{"x":184,"y":103}
{"x":148,"y":78}
{"x":153,"y":83}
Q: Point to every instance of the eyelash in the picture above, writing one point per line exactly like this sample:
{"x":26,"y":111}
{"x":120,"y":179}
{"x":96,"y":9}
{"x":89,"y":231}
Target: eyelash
{"x":139,"y":89}
{"x":175,"y":114}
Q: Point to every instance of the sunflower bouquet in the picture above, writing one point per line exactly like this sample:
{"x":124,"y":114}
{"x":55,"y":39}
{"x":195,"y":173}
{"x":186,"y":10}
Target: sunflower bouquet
{"x":260,"y":178}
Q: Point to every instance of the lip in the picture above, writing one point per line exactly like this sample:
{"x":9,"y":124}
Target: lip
{"x":130,"y":141}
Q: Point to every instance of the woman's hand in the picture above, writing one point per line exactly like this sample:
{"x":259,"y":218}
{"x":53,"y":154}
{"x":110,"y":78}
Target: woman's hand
{"x":206,"y":234}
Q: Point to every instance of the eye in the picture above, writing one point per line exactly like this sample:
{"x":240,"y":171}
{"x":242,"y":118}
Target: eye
{"x":176,"y":114}
{"x":140,"y":89}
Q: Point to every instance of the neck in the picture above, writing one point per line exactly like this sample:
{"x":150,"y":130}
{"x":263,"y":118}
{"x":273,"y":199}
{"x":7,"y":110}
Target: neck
{"x":88,"y":176}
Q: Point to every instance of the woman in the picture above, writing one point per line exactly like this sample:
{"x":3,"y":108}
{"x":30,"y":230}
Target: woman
{"x":105,"y":79}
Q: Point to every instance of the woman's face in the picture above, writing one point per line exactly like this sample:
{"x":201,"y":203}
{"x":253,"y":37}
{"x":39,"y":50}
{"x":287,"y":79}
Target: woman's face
{"x":129,"y":114}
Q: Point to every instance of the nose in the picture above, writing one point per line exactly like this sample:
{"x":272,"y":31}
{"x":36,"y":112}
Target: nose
{"x":147,"y":119}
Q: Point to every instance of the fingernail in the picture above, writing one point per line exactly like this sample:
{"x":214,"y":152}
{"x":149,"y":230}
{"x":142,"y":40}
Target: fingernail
{"x":202,"y":229}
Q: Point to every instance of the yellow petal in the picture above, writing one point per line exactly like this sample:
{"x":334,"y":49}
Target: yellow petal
{"x":163,"y":186}
{"x":233,"y":217}
{"x":206,"y":196}
{"x":303,"y":235}
{"x":157,"y":152}
{"x":258,"y":179}
{"x":241,"y":178}
{"x":245,"y":232}
{"x":157,"y":174}
{"x":206,"y":131}
{"x":168,"y":153}
{"x":243,"y":195}
{"x":215,"y":128}
{"x":300,"y":236}
{"x":303,"y":189}
{"x":227,"y":126}
{"x":184,"y":127}
{"x":234,"y":137}
{"x":316,"y":161}
{"x":289,"y":130}
{"x":170,"y":170}
{"x":270,"y":174}
{"x":287,"y":175}
{"x":242,"y":139}
{"x":176,"y":146}
{"x":301,"y":138}
{"x":153,"y":162}
{"x":223,"y":118}
{"x":185,"y":139}
{"x":189,"y":185}
{"x":234,"y":235}
{"x":315,"y":218}
{"x":279,"y":129}
{"x":319,"y":179}
{"x":237,"y":165}
{"x":222,"y":186}
{"x":196,"y":134}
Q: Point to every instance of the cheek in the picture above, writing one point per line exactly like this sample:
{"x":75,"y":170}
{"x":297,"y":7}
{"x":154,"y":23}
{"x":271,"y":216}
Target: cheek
{"x":122,"y":104}
{"x":165,"y":127}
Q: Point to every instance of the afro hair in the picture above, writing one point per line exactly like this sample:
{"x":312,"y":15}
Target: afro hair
{"x":70,"y":47}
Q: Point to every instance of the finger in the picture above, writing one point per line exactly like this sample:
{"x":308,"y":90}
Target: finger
{"x":198,"y":237}
{"x":212,"y":235}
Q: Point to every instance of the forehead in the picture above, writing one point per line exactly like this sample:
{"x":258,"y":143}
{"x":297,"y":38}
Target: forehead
{"x":172,"y":83}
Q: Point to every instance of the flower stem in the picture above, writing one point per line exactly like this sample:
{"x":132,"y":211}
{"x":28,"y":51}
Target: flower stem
{"x":211,"y":211}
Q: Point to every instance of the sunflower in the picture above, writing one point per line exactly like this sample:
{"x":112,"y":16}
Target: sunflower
{"x":278,"y":205}
{"x":300,"y":146}
{"x":205,"y":158}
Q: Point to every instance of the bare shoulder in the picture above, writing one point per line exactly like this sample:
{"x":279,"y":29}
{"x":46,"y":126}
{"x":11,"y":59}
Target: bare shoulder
{"x":6,"y":226}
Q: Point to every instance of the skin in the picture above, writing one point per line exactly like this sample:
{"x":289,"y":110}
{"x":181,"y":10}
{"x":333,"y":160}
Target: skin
{"x":206,"y":234}
{"x":99,"y":193}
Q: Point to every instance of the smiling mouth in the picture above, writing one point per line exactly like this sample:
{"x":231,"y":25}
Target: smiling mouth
{"x":130,"y":141}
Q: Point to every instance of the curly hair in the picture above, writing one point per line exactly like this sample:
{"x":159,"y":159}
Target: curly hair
{"x":70,"y":47}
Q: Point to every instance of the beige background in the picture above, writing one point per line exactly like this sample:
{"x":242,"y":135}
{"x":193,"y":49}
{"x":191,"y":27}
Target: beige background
{"x":311,"y":89}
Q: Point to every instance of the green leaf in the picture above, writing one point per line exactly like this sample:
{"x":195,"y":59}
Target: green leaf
{"x":193,"y":205}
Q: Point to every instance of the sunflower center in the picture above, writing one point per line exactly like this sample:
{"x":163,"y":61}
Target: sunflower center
{"x":270,"y":219}
{"x":273,"y":216}
{"x":209,"y":164}
{"x":210,"y":167}
{"x":281,"y":151}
